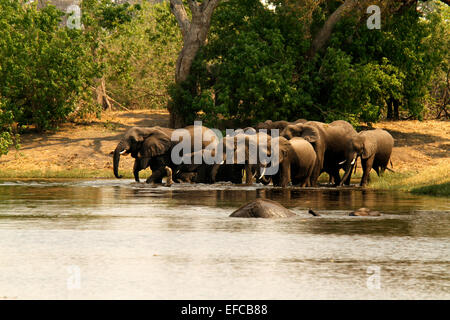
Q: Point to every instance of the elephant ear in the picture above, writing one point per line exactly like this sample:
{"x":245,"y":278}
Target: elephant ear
{"x":310,"y":134}
{"x":139,"y":134}
{"x":284,"y":146}
{"x":156,"y":144}
{"x":291,"y":130}
{"x":369,"y":148}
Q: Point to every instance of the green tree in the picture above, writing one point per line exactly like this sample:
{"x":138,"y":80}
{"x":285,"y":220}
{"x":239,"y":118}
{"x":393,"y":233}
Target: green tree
{"x":312,"y":59}
{"x":141,"y":56}
{"x":42,"y":66}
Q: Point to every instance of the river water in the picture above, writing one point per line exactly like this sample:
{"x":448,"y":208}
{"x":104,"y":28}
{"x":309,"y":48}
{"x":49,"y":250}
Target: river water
{"x":120,"y":239}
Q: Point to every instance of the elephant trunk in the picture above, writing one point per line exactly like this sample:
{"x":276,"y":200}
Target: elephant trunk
{"x":120,"y":149}
{"x":349,"y":165}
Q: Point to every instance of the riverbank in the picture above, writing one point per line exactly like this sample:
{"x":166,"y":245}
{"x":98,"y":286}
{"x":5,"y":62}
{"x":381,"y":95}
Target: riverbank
{"x":82,"y":150}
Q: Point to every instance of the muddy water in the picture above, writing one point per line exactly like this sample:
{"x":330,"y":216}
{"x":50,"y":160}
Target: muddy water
{"x":119,"y":239}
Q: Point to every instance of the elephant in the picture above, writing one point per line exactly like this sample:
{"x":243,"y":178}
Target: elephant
{"x":189,"y":177}
{"x":280,"y":125}
{"x":242,"y":145}
{"x":151,"y":147}
{"x":330,"y":142}
{"x":365,"y":212}
{"x":247,"y":130}
{"x":296,"y":160}
{"x":202,"y":172}
{"x":375,"y":149}
{"x":262,"y":208}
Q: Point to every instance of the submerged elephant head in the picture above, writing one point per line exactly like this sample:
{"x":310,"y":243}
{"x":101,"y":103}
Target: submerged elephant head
{"x":142,"y":143}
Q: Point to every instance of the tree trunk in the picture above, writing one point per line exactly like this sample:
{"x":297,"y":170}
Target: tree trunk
{"x":389,"y":110}
{"x":102,"y":97}
{"x":396,"y":104}
{"x":194,"y":37}
{"x":324,"y":34}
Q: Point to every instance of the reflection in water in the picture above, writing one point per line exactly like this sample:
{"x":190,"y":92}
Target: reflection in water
{"x":131,"y":240}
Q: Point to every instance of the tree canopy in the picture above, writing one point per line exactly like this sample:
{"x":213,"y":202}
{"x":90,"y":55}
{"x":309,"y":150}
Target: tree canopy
{"x":237,"y":60}
{"x":289,"y":61}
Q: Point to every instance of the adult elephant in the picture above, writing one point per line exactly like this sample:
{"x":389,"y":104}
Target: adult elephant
{"x":280,"y":125}
{"x":330,"y":142}
{"x":250,"y":152}
{"x":202,"y":172}
{"x":296,"y":161}
{"x":375,"y":149}
{"x":152,"y":146}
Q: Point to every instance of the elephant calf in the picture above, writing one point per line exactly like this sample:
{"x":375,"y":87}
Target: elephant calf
{"x":297,"y":159}
{"x":375,"y":149}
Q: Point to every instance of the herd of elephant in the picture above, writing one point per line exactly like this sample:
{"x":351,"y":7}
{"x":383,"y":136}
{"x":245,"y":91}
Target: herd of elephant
{"x":305,"y":149}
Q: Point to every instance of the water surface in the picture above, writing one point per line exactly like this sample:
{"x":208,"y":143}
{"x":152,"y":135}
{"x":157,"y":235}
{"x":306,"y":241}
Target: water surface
{"x":119,"y":239}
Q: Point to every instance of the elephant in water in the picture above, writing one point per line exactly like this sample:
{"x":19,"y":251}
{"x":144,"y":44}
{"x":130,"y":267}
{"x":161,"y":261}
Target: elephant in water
{"x":296,"y":160}
{"x":365,"y":212}
{"x":250,"y":152}
{"x":330,"y":141}
{"x":262,"y":208}
{"x":152,"y":146}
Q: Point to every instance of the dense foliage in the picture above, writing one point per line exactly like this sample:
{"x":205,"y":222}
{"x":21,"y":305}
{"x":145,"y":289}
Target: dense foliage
{"x":49,"y":72}
{"x":140,"y":58}
{"x":42,"y":66}
{"x":255,"y":65}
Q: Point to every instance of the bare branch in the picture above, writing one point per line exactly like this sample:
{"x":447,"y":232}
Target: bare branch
{"x":324,"y":34}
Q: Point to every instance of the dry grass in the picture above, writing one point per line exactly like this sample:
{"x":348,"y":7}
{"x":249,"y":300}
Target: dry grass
{"x":418,"y":145}
{"x":77,"y":149}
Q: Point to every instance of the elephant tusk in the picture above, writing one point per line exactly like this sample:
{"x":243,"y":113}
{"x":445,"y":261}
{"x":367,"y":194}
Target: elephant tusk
{"x":123,"y":151}
{"x":354,"y":160}
{"x":223,"y":161}
{"x":262,"y":174}
{"x":342,"y":162}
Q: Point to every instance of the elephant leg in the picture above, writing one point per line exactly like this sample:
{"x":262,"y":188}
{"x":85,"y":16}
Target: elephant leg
{"x":285,"y":174}
{"x":367,"y":166}
{"x":169,"y":176}
{"x":136,"y":169}
{"x":156,"y":176}
{"x":330,"y":179}
{"x":336,"y":176}
{"x":315,"y":174}
{"x":276,"y":179}
{"x":214,"y":171}
{"x":377,"y":170}
{"x":248,"y":174}
{"x":158,"y":166}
